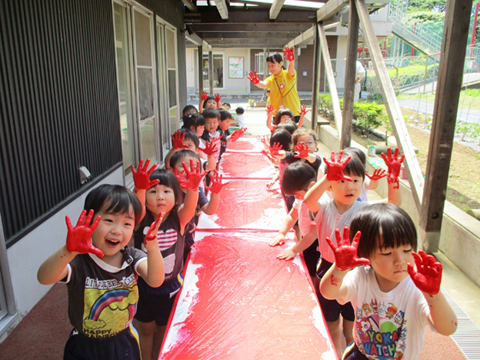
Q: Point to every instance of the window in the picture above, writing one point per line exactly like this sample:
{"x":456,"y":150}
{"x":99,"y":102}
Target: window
{"x":217,"y":70}
{"x":259,"y":63}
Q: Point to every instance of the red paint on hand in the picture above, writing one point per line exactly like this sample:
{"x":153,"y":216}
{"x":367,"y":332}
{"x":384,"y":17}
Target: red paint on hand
{"x":177,"y":140}
{"x":303,"y":110}
{"x":377,"y":174}
{"x":141,"y":178}
{"x":204,"y":95}
{"x":217,"y":98}
{"x":210,"y":148}
{"x":289,"y":54}
{"x":152,"y":231}
{"x":194,"y":176}
{"x":302,"y":151}
{"x":274,"y":150}
{"x":394,"y":166}
{"x":346,"y":254}
{"x":428,"y":276}
{"x":253,"y":78}
{"x":79,"y":238}
{"x":335,"y":168}
{"x":216,"y":184}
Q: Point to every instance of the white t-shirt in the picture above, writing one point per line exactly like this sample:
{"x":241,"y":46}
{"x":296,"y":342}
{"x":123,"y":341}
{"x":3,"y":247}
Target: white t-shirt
{"x":241,"y":121}
{"x":328,"y":219}
{"x":305,"y":217}
{"x":388,"y":325}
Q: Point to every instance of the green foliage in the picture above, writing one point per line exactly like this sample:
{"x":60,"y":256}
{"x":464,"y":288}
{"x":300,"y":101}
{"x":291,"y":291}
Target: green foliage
{"x":325,"y":105}
{"x":426,"y":16}
{"x":429,"y":5}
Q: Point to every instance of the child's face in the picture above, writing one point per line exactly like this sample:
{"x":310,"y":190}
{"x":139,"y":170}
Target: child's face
{"x":190,"y":144}
{"x":224,"y":124}
{"x":160,"y":198}
{"x":347,"y":192}
{"x":390,"y":265}
{"x":199,"y":130}
{"x":211,"y":125}
{"x":211,"y":104}
{"x":114,"y":231}
{"x":226,"y":107}
{"x":309,"y":141}
{"x":284,"y":118}
{"x":274,"y":67}
{"x":300,"y":194}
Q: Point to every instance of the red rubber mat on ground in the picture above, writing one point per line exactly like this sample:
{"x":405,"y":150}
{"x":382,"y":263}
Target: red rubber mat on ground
{"x":239,"y":302}
{"x":244,"y":165}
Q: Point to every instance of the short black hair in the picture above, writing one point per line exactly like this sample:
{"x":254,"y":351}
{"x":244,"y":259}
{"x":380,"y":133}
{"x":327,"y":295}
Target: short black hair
{"x":115,"y":199}
{"x":187,"y":108}
{"x":239,"y":110}
{"x":275,"y":58}
{"x":168,"y":178}
{"x":353,"y":167}
{"x":189,"y":134}
{"x":224,"y":115}
{"x":358,"y":152}
{"x":297,"y":176}
{"x":290,"y":126}
{"x":188,"y":121}
{"x":227,"y":104}
{"x":182,"y":155}
{"x":382,"y":225}
{"x":211,"y":113}
{"x":282,"y":112}
{"x":283,"y":137}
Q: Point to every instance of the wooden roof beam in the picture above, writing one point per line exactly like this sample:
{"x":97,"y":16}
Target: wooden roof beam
{"x":190,"y":6}
{"x":222,"y":9}
{"x":275,"y":9}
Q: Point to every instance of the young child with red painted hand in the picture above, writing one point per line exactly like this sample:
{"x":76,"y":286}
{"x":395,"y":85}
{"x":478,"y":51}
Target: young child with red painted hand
{"x":297,"y":179}
{"x":210,"y":102}
{"x":392,"y":308}
{"x":160,"y":196}
{"x":209,"y":207}
{"x":187,"y":139}
{"x":100,"y":269}
{"x":344,"y":178}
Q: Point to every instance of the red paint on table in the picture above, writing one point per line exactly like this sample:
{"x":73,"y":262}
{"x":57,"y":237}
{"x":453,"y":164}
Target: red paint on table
{"x":250,"y":204}
{"x":245,"y":144}
{"x":249,"y":305}
{"x":245,"y":165}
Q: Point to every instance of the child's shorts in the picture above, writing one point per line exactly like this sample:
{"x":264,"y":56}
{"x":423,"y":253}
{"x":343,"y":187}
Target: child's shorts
{"x":124,"y":345}
{"x":353,"y":353}
{"x":152,"y":305}
{"x":311,"y":256}
{"x":331,"y":308}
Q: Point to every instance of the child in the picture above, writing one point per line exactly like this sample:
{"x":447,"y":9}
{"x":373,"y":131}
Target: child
{"x":297,"y":179}
{"x":391,"y":307}
{"x":196,"y":123}
{"x":186,"y":139}
{"x":101,"y":274}
{"x":371,"y":182}
{"x":281,"y":140}
{"x":209,"y":207}
{"x":189,"y":110}
{"x":226,"y":106}
{"x":165,"y":197}
{"x":209,"y":102}
{"x":212,"y":132}
{"x":284,"y":115}
{"x":240,"y":117}
{"x":224,"y":123}
{"x":344,"y":179}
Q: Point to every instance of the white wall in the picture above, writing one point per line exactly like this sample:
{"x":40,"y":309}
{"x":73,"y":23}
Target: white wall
{"x":230,"y":86}
{"x":27,"y":254}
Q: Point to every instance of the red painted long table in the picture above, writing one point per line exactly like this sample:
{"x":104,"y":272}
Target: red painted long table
{"x":238,"y":301}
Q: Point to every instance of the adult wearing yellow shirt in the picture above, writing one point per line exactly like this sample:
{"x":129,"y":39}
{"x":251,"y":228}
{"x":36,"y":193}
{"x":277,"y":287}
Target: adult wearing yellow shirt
{"x":282,"y":83}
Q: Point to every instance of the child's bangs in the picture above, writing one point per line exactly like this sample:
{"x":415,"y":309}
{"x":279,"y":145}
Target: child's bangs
{"x":396,"y":232}
{"x":354,"y":166}
{"x":120,"y":204}
{"x":168,"y":179}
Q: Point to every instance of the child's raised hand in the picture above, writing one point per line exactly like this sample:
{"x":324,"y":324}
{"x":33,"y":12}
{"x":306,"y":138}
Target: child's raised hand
{"x":335,"y":168}
{"x":194,"y":176}
{"x":346,"y":254}
{"x":180,"y":177}
{"x":216,"y":184}
{"x":274,"y":150}
{"x":253,"y":78}
{"x":141,"y":178}
{"x":204,"y":95}
{"x":237,"y":133}
{"x":79,"y":238}
{"x":270,"y":110}
{"x":210,"y":148}
{"x":217,"y":98}
{"x":177,"y":140}
{"x":429,"y":273}
{"x":152,"y":231}
{"x":377,"y":174}
{"x":289,"y":54}
{"x":394,"y":166}
{"x":302,"y":151}
{"x":303,"y":110}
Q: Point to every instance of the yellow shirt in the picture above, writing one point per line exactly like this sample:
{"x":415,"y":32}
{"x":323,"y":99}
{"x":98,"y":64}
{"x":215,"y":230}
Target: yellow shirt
{"x":283,"y":91}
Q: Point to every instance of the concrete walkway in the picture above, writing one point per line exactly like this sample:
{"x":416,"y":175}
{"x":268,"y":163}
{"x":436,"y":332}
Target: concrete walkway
{"x":426,"y":107}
